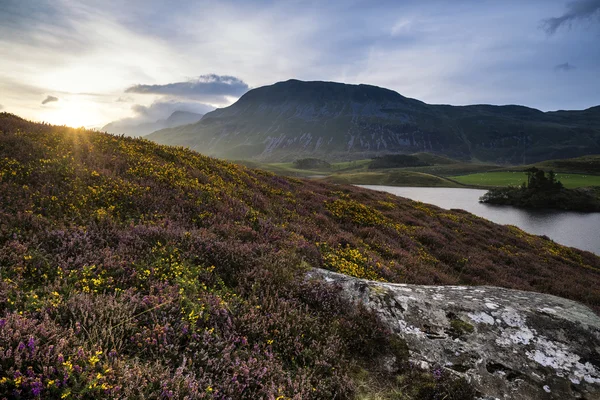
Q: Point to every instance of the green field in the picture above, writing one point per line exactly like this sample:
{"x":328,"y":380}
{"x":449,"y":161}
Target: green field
{"x":516,"y":178}
{"x":288,"y":169}
{"x":391,"y":178}
{"x":573,"y":173}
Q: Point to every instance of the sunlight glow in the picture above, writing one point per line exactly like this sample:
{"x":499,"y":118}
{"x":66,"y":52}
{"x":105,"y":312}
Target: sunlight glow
{"x":73,"y":113}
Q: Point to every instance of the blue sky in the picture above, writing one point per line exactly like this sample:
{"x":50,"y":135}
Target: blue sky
{"x":91,"y":62}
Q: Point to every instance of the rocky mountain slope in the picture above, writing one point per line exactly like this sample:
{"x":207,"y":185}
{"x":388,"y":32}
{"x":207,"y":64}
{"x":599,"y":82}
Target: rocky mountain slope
{"x":296,"y":119}
{"x":130,"y":269}
{"x":132,"y":128}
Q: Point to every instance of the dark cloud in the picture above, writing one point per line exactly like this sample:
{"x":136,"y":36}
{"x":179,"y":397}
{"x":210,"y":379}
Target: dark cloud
{"x":564,"y":67}
{"x":49,"y":99}
{"x":209,"y":88}
{"x":576,"y":10}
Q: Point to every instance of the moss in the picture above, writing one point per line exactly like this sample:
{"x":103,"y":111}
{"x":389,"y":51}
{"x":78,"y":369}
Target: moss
{"x":460,"y":328}
{"x":412,"y":384}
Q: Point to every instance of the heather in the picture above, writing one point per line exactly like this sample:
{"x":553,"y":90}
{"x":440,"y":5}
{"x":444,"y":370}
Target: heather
{"x":134,"y":270}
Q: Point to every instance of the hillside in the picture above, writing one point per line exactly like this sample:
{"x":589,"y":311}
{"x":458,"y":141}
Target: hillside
{"x":135,"y":270}
{"x":579,"y":172}
{"x":436,"y":171}
{"x":582,"y":165}
{"x":295,"y":119}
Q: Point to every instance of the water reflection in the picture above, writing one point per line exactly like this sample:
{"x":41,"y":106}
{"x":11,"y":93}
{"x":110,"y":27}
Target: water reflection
{"x":581,"y":230}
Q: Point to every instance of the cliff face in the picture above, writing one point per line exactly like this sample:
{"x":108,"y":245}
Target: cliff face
{"x":509,"y":344}
{"x":294,"y":119}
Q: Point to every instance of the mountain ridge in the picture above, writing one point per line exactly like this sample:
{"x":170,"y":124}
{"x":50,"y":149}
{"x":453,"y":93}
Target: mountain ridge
{"x":177,"y":118}
{"x":292,"y":119}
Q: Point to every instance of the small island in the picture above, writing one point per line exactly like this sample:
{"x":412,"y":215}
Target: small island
{"x":543,"y":190}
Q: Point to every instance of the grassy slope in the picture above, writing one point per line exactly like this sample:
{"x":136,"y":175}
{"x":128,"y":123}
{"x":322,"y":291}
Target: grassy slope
{"x":574,"y":172}
{"x":516,"y":178}
{"x":178,"y":274}
{"x":580,"y":165}
{"x":288,"y":169}
{"x":393,"y":177}
{"x":358,"y":172}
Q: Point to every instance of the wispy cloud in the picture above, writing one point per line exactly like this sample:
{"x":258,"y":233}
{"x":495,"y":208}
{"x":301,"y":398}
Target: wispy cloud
{"x":576,"y":10}
{"x":49,"y":99}
{"x":211,"y":88}
{"x":564,"y":67}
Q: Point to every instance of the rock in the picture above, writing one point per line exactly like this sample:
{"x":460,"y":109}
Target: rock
{"x":508,"y":344}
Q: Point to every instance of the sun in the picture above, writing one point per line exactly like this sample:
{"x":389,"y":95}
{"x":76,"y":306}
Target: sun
{"x":72,"y":113}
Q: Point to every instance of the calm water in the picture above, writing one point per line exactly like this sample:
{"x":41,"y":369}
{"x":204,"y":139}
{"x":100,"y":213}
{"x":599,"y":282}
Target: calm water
{"x":581,"y":230}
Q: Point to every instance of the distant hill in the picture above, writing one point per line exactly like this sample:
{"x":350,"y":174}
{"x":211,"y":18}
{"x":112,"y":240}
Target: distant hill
{"x":130,"y":128}
{"x":294,"y":119}
{"x":583,"y":165}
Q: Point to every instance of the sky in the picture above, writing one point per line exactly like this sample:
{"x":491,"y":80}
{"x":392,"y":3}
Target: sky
{"x":88,"y":62}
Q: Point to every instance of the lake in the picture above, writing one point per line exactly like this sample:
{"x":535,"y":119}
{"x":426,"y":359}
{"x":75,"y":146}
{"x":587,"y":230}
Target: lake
{"x":580,"y":230}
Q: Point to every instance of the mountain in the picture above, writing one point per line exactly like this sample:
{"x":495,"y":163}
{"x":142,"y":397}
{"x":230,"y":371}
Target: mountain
{"x":130,"y":127}
{"x":130,"y":269}
{"x":179,"y":118}
{"x":296,"y":119}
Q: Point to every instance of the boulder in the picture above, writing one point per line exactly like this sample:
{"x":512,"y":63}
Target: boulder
{"x":508,"y":344}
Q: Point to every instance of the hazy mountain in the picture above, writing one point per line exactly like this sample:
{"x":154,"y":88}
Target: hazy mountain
{"x":133,"y":128}
{"x":294,"y":119}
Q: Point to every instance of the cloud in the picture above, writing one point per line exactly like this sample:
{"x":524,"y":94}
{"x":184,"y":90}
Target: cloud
{"x":576,"y":10}
{"x":49,"y":99}
{"x":124,"y":99}
{"x":564,"y":67}
{"x":161,"y":109}
{"x":210,"y":88}
{"x":1,"y":107}
{"x":150,"y":118}
{"x":452,"y":52}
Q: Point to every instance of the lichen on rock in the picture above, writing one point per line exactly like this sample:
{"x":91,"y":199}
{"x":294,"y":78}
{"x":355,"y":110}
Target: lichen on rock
{"x":508,"y":344}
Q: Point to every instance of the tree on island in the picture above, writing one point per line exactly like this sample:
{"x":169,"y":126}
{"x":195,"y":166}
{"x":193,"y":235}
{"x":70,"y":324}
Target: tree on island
{"x":543,"y":190}
{"x":538,"y":180}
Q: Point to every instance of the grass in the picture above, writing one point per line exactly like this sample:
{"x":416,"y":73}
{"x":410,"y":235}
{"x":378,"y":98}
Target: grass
{"x":357,"y":172}
{"x":579,"y":165}
{"x":516,"y":178}
{"x":449,"y":170}
{"x":394,"y":177}
{"x":574,"y":173}
{"x":288,"y":169}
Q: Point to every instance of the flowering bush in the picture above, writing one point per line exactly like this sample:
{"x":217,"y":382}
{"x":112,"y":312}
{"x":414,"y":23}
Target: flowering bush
{"x":133,"y":270}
